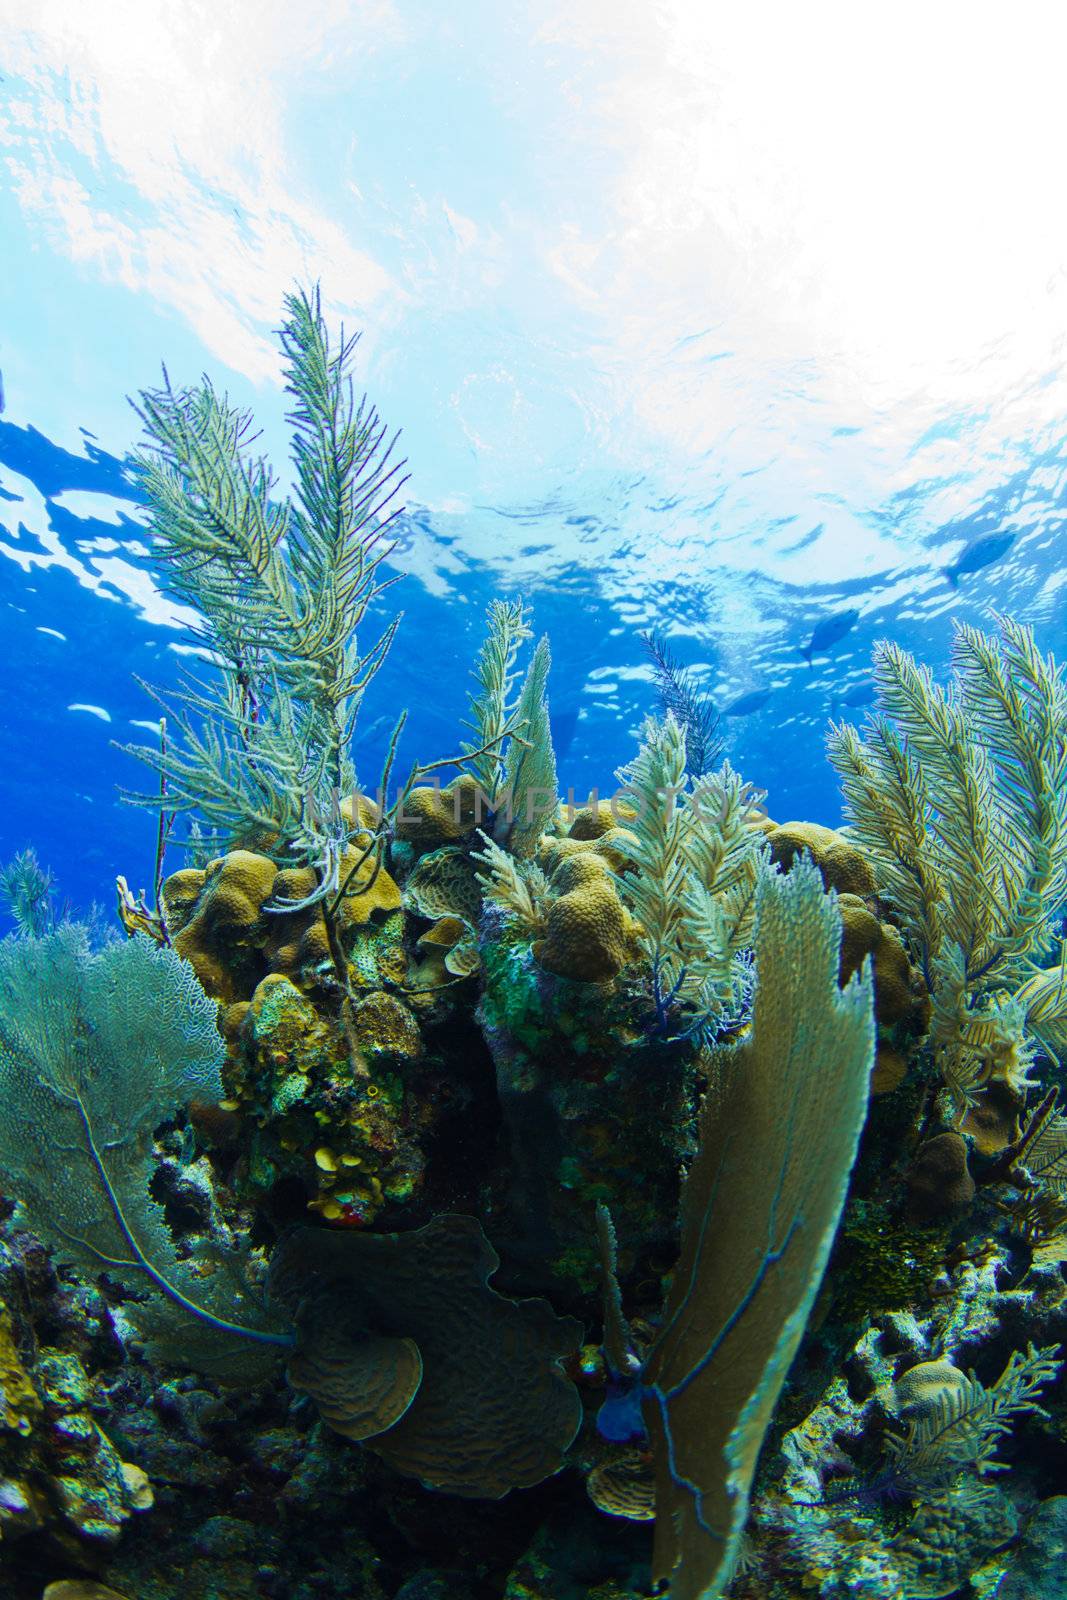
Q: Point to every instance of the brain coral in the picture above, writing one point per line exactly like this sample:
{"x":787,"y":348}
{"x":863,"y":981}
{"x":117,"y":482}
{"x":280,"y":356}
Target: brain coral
{"x":433,"y":816}
{"x":219,"y":921}
{"x":844,"y":867}
{"x":588,"y":930}
{"x":624,"y":1486}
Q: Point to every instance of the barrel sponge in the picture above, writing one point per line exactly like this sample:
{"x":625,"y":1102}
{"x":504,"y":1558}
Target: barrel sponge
{"x":899,"y":992}
{"x":843,"y":866}
{"x":430,"y":816}
{"x":222,"y":934}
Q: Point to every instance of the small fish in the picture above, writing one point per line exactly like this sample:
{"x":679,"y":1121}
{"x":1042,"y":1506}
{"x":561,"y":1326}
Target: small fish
{"x":861,"y":694}
{"x":828,"y":632}
{"x":372,"y":732}
{"x":755,"y":700}
{"x":988,"y":547}
{"x":564,"y":725}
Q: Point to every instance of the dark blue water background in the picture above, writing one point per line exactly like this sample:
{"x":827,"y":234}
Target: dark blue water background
{"x":70,"y":638}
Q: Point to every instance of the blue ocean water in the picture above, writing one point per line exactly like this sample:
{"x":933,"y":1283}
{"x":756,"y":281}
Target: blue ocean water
{"x":686,"y":326}
{"x":83,"y":621}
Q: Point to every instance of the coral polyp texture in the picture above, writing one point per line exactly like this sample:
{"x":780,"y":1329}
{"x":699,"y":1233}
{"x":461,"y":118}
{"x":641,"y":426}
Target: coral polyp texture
{"x":476,"y":1193}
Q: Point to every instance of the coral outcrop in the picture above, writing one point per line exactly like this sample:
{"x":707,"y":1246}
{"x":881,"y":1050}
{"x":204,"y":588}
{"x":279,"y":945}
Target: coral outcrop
{"x":466,"y":1196}
{"x":62,"y":1480}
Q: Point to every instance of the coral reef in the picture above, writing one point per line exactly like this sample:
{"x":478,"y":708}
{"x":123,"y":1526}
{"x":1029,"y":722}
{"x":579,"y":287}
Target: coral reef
{"x":472,"y":1195}
{"x":61,"y":1479}
{"x":959,"y":798}
{"x":497,"y":1025}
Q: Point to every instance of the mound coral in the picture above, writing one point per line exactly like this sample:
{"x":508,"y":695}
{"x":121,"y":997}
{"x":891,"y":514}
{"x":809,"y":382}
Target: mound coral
{"x":588,"y":929}
{"x":230,"y":923}
{"x":843,"y":865}
{"x":430,"y":816}
{"x":900,"y":996}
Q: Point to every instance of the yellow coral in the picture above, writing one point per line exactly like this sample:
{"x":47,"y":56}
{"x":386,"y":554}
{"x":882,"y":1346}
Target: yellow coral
{"x":432,"y":816}
{"x":592,"y":822}
{"x":360,"y":812}
{"x":899,"y":992}
{"x":606,"y":847}
{"x":223,"y":935}
{"x":446,"y":932}
{"x":579,"y":870}
{"x":297,"y":943}
{"x":843,"y":866}
{"x":369,"y":892}
{"x":180,"y":894}
{"x":588,"y":932}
